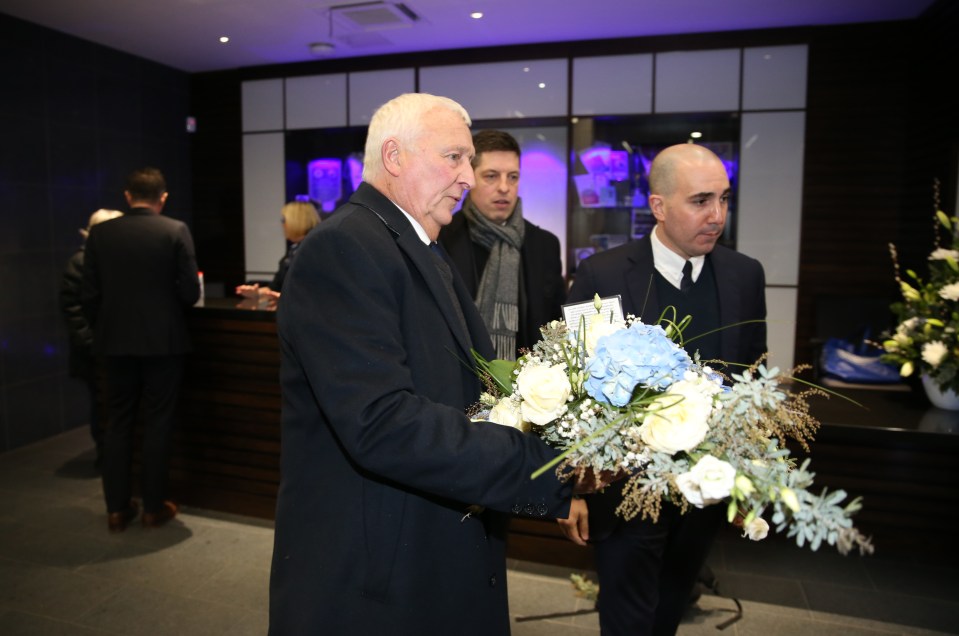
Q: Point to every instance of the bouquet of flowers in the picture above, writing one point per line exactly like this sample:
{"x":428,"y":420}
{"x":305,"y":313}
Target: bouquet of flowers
{"x":927,"y":336}
{"x":623,"y":396}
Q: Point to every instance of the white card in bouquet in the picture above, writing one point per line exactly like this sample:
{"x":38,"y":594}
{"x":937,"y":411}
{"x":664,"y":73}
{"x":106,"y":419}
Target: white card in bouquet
{"x":612,"y":308}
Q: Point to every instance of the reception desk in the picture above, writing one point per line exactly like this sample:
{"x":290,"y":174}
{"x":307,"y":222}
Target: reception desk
{"x":893,"y":448}
{"x":226,"y":449}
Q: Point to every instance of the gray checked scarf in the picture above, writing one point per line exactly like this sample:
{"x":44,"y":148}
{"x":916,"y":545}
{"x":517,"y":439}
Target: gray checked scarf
{"x":498,"y":293}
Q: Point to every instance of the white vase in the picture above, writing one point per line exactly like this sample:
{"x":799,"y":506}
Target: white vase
{"x":942,"y":399}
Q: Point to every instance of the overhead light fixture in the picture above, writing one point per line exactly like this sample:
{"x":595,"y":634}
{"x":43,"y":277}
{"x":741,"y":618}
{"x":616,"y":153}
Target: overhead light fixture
{"x":224,"y":39}
{"x":695,"y":135}
{"x":322,"y":49}
{"x":476,"y":15}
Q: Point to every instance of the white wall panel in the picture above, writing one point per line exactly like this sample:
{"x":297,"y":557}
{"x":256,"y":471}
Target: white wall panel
{"x":263,"y":196}
{"x":316,"y":101}
{"x":262,"y":105}
{"x":781,"y":303}
{"x":502,"y":90}
{"x":770,"y":192}
{"x":697,"y":81}
{"x":613,"y":84}
{"x":370,"y":90}
{"x":774,"y":77}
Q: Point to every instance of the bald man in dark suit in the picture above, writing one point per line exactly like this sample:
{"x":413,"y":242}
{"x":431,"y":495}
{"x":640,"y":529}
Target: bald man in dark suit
{"x":647,"y":570}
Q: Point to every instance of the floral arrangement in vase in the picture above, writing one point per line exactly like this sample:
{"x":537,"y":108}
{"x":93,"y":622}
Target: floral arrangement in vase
{"x":618,"y":396}
{"x":926,"y":338}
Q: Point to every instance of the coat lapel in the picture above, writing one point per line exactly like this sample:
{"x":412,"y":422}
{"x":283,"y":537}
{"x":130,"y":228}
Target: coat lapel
{"x":419,"y":255}
{"x":729,"y":294}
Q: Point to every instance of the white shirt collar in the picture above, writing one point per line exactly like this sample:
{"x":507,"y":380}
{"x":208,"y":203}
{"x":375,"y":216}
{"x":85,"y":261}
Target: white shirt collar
{"x":420,"y":232}
{"x":670,"y":264}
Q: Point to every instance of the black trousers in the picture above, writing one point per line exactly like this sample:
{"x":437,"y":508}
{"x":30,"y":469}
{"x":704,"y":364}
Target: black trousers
{"x":647,"y":571}
{"x":152,"y":382}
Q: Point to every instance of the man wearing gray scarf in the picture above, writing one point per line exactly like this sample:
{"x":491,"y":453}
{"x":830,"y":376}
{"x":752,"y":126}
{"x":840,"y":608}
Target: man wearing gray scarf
{"x":511,"y":267}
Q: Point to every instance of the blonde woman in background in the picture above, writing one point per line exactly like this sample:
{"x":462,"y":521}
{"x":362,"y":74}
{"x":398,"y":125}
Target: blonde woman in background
{"x":298,"y":218}
{"x":80,"y":335}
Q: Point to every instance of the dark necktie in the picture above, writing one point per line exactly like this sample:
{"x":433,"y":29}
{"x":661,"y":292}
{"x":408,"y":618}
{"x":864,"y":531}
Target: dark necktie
{"x":446,"y":274}
{"x":687,"y":282}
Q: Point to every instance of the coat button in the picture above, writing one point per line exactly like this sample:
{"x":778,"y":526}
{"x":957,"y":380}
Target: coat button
{"x":516,"y":508}
{"x":529,"y":509}
{"x":542,"y":509}
{"x":492,"y":581}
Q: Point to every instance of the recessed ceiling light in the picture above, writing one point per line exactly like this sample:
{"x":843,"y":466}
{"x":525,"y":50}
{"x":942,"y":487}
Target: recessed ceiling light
{"x":542,"y":84}
{"x":476,"y":15}
{"x":695,"y":135}
{"x":224,"y":39}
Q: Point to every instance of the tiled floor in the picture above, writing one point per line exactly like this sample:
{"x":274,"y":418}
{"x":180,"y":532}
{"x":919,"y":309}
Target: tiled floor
{"x":205,"y":574}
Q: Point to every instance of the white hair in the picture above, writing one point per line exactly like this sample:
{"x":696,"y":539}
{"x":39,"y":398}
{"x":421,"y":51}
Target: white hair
{"x":99,"y":216}
{"x":401,"y":117}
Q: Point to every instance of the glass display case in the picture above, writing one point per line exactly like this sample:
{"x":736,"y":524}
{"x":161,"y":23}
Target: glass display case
{"x":325,"y":165}
{"x":609,"y":163}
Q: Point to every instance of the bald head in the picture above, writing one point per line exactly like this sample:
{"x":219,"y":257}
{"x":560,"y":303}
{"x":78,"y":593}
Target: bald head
{"x":676,"y":160}
{"x":689,"y":197}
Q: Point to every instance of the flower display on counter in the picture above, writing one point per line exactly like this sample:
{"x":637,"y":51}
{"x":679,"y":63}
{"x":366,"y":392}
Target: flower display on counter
{"x":926,"y":339}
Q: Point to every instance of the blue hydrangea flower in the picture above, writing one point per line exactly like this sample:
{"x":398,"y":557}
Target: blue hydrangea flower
{"x":640,"y":355}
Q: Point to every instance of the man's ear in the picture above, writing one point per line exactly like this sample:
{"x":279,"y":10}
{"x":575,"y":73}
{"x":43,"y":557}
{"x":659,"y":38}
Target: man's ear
{"x":657,"y":206}
{"x":126,"y":195}
{"x":391,"y":156}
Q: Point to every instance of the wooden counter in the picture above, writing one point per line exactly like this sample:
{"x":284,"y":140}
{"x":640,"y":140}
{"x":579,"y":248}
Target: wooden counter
{"x":226,"y":451}
{"x":895,"y":451}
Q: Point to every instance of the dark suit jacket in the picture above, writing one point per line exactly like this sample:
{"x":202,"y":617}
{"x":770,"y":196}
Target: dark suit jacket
{"x":78,"y":328}
{"x":139,"y":276}
{"x":379,"y":462}
{"x":542,"y":272}
{"x":628,"y":270}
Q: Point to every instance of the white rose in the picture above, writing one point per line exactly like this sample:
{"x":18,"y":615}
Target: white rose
{"x":597,"y":326}
{"x":941,"y":254}
{"x":708,"y":482}
{"x":507,"y":413}
{"x":715,"y":477}
{"x":757,"y":529}
{"x":688,"y":485}
{"x":677,"y":420}
{"x":933,"y":353}
{"x":950,"y":292}
{"x":545,"y":391}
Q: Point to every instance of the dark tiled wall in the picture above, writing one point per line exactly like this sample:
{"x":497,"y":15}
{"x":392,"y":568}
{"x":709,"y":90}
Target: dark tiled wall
{"x":76,"y":118}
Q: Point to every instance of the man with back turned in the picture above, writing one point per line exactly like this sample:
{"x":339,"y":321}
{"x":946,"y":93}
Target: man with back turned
{"x":139,"y":276}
